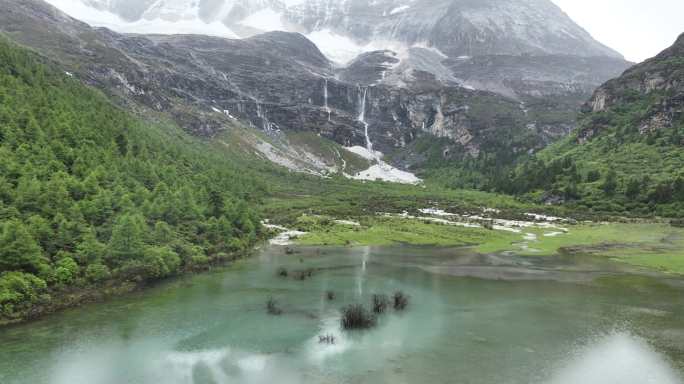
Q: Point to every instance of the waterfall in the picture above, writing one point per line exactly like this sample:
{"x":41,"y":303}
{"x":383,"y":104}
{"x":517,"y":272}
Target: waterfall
{"x":379,"y":169}
{"x":265,"y":123}
{"x":325,"y":97}
{"x":362,"y":119}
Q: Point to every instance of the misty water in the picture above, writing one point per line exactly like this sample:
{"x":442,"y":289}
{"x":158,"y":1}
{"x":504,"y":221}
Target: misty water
{"x":472,"y":319}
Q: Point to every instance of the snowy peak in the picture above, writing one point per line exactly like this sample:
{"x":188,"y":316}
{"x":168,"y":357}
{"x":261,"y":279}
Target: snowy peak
{"x":207,"y":11}
{"x":343,"y":29}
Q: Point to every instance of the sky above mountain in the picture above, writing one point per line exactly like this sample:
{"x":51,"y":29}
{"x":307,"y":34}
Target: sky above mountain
{"x":638,"y":29}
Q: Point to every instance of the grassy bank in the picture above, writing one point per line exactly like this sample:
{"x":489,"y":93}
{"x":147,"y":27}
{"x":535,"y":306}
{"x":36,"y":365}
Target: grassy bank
{"x":656,"y":246}
{"x":292,"y":195}
{"x":392,"y":230}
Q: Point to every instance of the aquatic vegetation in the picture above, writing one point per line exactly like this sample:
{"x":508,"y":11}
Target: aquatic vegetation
{"x":401,"y":301}
{"x":303,"y":275}
{"x":356,"y":317}
{"x":272,"y":307}
{"x":326,"y":339}
{"x":380,"y":304}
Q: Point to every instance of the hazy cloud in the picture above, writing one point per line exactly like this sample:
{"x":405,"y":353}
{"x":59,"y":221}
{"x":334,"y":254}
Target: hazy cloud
{"x":638,"y":29}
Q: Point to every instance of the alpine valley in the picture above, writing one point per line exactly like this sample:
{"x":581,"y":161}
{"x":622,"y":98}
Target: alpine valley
{"x":470,"y":88}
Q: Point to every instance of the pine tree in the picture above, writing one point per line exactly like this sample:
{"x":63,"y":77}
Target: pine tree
{"x":19,"y":251}
{"x":127,"y":241}
{"x":610,"y":183}
{"x":633,"y":188}
{"x":90,"y":250}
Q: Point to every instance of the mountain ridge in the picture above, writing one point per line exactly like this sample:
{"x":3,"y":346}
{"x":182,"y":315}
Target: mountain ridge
{"x":626,"y":155}
{"x":456,"y":27}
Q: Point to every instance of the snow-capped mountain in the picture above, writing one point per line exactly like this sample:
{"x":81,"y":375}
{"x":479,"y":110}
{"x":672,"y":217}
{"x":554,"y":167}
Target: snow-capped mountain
{"x":343,"y":29}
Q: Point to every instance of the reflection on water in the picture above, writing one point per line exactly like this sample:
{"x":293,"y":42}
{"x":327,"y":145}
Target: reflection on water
{"x":220,"y":366}
{"x":213,"y":329}
{"x":617,"y":359}
{"x":361,"y":274}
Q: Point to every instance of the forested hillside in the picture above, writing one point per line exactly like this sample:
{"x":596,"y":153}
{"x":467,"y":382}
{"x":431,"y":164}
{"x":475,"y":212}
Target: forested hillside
{"x":628,"y":153}
{"x":91,"y":197}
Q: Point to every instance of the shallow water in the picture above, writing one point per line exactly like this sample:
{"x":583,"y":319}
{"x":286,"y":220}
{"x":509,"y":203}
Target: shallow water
{"x":472,"y":319}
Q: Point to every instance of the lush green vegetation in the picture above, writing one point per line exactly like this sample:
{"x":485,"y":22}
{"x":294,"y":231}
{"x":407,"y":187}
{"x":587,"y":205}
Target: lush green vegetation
{"x":621,"y":170}
{"x":293,"y":195}
{"x":91,"y":197}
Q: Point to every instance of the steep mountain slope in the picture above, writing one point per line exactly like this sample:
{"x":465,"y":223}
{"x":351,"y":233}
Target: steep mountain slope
{"x":282,"y":84}
{"x":93,"y":199}
{"x":278,"y":82}
{"x":628,"y":153}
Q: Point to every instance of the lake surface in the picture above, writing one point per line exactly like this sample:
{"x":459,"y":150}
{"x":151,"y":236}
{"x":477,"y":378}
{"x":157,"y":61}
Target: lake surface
{"x":472,"y":319}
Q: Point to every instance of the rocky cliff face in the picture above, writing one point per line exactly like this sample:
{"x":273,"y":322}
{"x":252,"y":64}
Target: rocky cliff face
{"x":655,"y":86}
{"x":280,"y":82}
{"x":275,"y":81}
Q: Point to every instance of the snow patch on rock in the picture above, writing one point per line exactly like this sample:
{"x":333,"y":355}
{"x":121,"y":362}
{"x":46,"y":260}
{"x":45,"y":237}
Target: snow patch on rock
{"x":294,"y":160}
{"x":400,"y":9}
{"x":363,"y":152}
{"x":189,"y":24}
{"x":285,"y":237}
{"x":348,"y":222}
{"x":265,"y":20}
{"x":385,"y":172}
{"x":437,"y":212}
{"x":539,"y":217}
{"x":342,"y":49}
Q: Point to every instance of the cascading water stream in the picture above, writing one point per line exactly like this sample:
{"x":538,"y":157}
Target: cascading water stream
{"x":362,"y":119}
{"x":266,"y":125}
{"x":325,"y":97}
{"x":379,"y":169}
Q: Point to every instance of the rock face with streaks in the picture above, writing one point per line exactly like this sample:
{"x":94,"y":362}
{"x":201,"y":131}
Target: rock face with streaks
{"x":517,"y":90}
